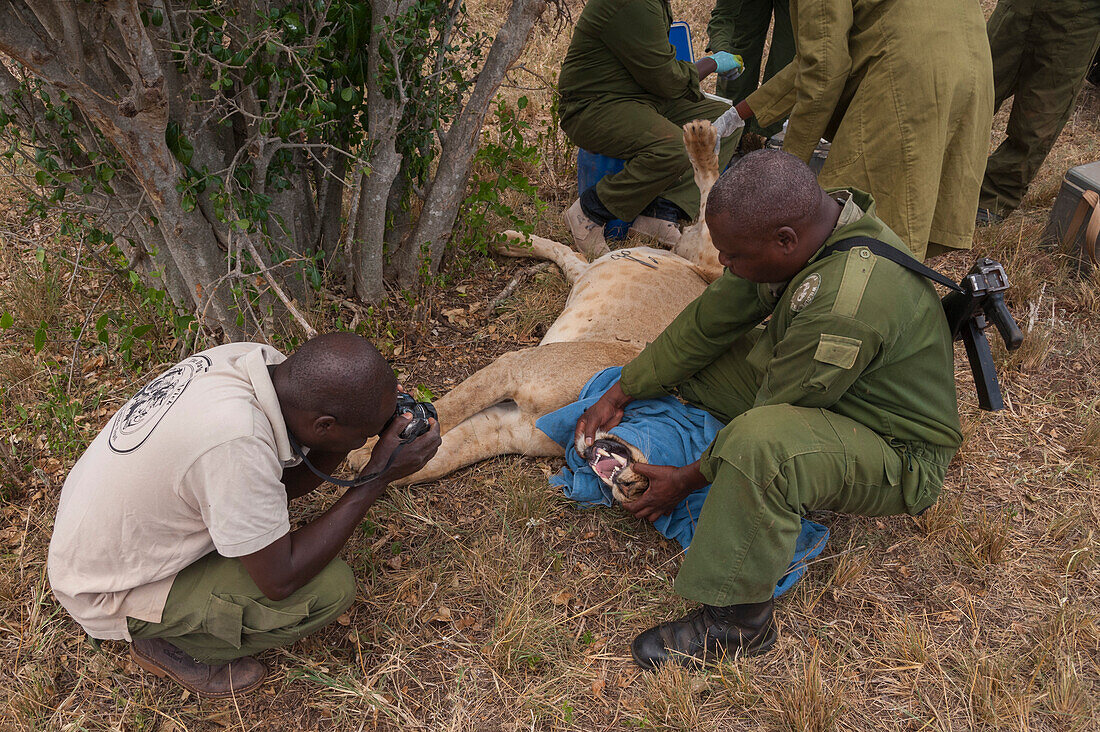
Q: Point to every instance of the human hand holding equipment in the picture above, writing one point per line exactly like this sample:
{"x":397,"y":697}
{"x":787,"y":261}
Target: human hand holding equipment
{"x":730,"y":66}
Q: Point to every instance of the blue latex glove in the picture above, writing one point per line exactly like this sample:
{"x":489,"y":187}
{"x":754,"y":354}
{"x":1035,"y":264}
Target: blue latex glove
{"x":730,"y":66}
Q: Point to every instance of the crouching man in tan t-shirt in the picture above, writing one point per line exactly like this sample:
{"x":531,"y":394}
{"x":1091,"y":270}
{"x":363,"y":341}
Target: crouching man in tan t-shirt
{"x":173,"y":530}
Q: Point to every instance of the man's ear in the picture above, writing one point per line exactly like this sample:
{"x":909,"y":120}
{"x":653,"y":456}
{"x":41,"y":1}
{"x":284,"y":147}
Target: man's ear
{"x":321,"y":425}
{"x":787,"y":239}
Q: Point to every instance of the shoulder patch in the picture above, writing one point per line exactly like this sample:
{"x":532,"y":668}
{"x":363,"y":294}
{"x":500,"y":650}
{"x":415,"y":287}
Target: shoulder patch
{"x":805,"y":293}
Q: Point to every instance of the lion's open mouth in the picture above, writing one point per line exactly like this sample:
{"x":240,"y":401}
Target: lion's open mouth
{"x":607,"y":458}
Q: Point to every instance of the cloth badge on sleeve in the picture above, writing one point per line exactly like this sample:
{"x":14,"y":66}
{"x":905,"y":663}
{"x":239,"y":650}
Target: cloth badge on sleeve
{"x":806,"y":292}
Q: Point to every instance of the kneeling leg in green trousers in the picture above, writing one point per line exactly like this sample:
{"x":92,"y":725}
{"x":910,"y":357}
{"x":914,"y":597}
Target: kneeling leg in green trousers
{"x":216,"y":613}
{"x":768,"y":467}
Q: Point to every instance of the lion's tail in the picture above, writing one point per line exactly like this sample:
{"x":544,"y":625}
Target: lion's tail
{"x":572,"y":264}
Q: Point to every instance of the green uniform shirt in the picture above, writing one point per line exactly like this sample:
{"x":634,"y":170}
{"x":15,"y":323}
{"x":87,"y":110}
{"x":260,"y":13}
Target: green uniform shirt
{"x":852,"y":333}
{"x":620,"y":49}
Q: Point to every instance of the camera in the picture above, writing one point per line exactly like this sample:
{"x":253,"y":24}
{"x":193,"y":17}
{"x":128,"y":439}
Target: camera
{"x":420,"y":411}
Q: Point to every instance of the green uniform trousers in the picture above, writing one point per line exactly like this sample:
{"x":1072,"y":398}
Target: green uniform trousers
{"x":648,"y":133}
{"x":741,"y":27}
{"x":216,"y":613}
{"x":772,"y":464}
{"x":1042,"y":50}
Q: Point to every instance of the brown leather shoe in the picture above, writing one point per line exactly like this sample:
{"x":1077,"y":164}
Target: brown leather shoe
{"x":162,"y":659}
{"x":663,"y":231}
{"x":588,"y":236}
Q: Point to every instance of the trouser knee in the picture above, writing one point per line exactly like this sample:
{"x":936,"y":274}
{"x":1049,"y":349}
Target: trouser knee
{"x":758,"y":440}
{"x":335,"y":589}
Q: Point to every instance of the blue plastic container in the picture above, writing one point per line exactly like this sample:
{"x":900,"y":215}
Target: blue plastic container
{"x":679,"y":35}
{"x":590,"y":168}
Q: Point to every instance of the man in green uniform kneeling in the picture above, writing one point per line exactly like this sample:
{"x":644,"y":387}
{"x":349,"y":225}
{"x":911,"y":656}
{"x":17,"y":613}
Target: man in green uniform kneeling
{"x":625,"y":95}
{"x":844,"y":400}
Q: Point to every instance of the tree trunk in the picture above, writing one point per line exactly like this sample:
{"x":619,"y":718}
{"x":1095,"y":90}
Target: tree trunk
{"x":134,"y":124}
{"x":448,"y":188}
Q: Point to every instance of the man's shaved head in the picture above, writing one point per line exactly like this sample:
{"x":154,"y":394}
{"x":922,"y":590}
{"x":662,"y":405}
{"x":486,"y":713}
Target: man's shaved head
{"x":339,"y":374}
{"x":764,"y":190}
{"x":767,"y":216}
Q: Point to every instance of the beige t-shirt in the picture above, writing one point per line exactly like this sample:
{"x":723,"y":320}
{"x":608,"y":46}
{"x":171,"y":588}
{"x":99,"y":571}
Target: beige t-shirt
{"x":191,"y":464}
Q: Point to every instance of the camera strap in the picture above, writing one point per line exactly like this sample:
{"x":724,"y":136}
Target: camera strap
{"x":895,"y":255}
{"x":361,"y":480}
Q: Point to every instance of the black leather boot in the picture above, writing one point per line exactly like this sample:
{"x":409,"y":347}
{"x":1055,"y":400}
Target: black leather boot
{"x":706,"y":634}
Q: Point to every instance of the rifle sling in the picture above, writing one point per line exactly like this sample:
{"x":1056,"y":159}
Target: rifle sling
{"x":884,"y":250}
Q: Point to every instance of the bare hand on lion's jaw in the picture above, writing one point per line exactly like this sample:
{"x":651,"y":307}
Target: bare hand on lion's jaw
{"x":603,"y":415}
{"x":668,"y":486}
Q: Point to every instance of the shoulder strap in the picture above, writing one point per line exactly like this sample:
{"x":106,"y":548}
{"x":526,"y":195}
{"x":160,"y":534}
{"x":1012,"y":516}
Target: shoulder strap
{"x":895,"y":255}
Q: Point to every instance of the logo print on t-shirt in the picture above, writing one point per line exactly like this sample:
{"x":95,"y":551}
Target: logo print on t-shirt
{"x":136,"y":420}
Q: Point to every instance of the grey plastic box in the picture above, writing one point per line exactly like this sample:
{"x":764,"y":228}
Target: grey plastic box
{"x":1076,"y":181}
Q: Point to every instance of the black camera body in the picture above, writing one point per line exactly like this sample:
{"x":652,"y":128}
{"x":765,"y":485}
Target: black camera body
{"x":421,"y":412}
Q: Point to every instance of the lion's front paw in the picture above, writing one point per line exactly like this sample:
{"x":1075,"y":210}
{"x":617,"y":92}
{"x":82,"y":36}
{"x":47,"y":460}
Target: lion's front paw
{"x":700,"y":139}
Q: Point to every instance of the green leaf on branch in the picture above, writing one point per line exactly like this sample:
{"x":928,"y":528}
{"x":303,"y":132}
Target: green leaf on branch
{"x":180,"y":146}
{"x":6,"y":320}
{"x":40,"y":338}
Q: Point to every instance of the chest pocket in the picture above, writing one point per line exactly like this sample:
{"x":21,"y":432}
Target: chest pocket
{"x":834,"y":356}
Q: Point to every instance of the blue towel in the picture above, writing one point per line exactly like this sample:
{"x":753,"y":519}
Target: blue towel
{"x":668,"y":432}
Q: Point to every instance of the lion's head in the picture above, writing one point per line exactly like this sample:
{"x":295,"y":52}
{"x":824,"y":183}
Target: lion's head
{"x":612,"y":460}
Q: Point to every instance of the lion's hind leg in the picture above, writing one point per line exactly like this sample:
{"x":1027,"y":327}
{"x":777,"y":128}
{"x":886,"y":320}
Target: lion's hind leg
{"x":700,"y":137}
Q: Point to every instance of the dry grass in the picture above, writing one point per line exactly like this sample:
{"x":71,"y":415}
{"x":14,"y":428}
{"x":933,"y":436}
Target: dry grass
{"x":532,"y":310}
{"x":487,"y":602}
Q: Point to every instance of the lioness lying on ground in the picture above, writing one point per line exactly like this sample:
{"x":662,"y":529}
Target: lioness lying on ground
{"x":617,"y":304}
